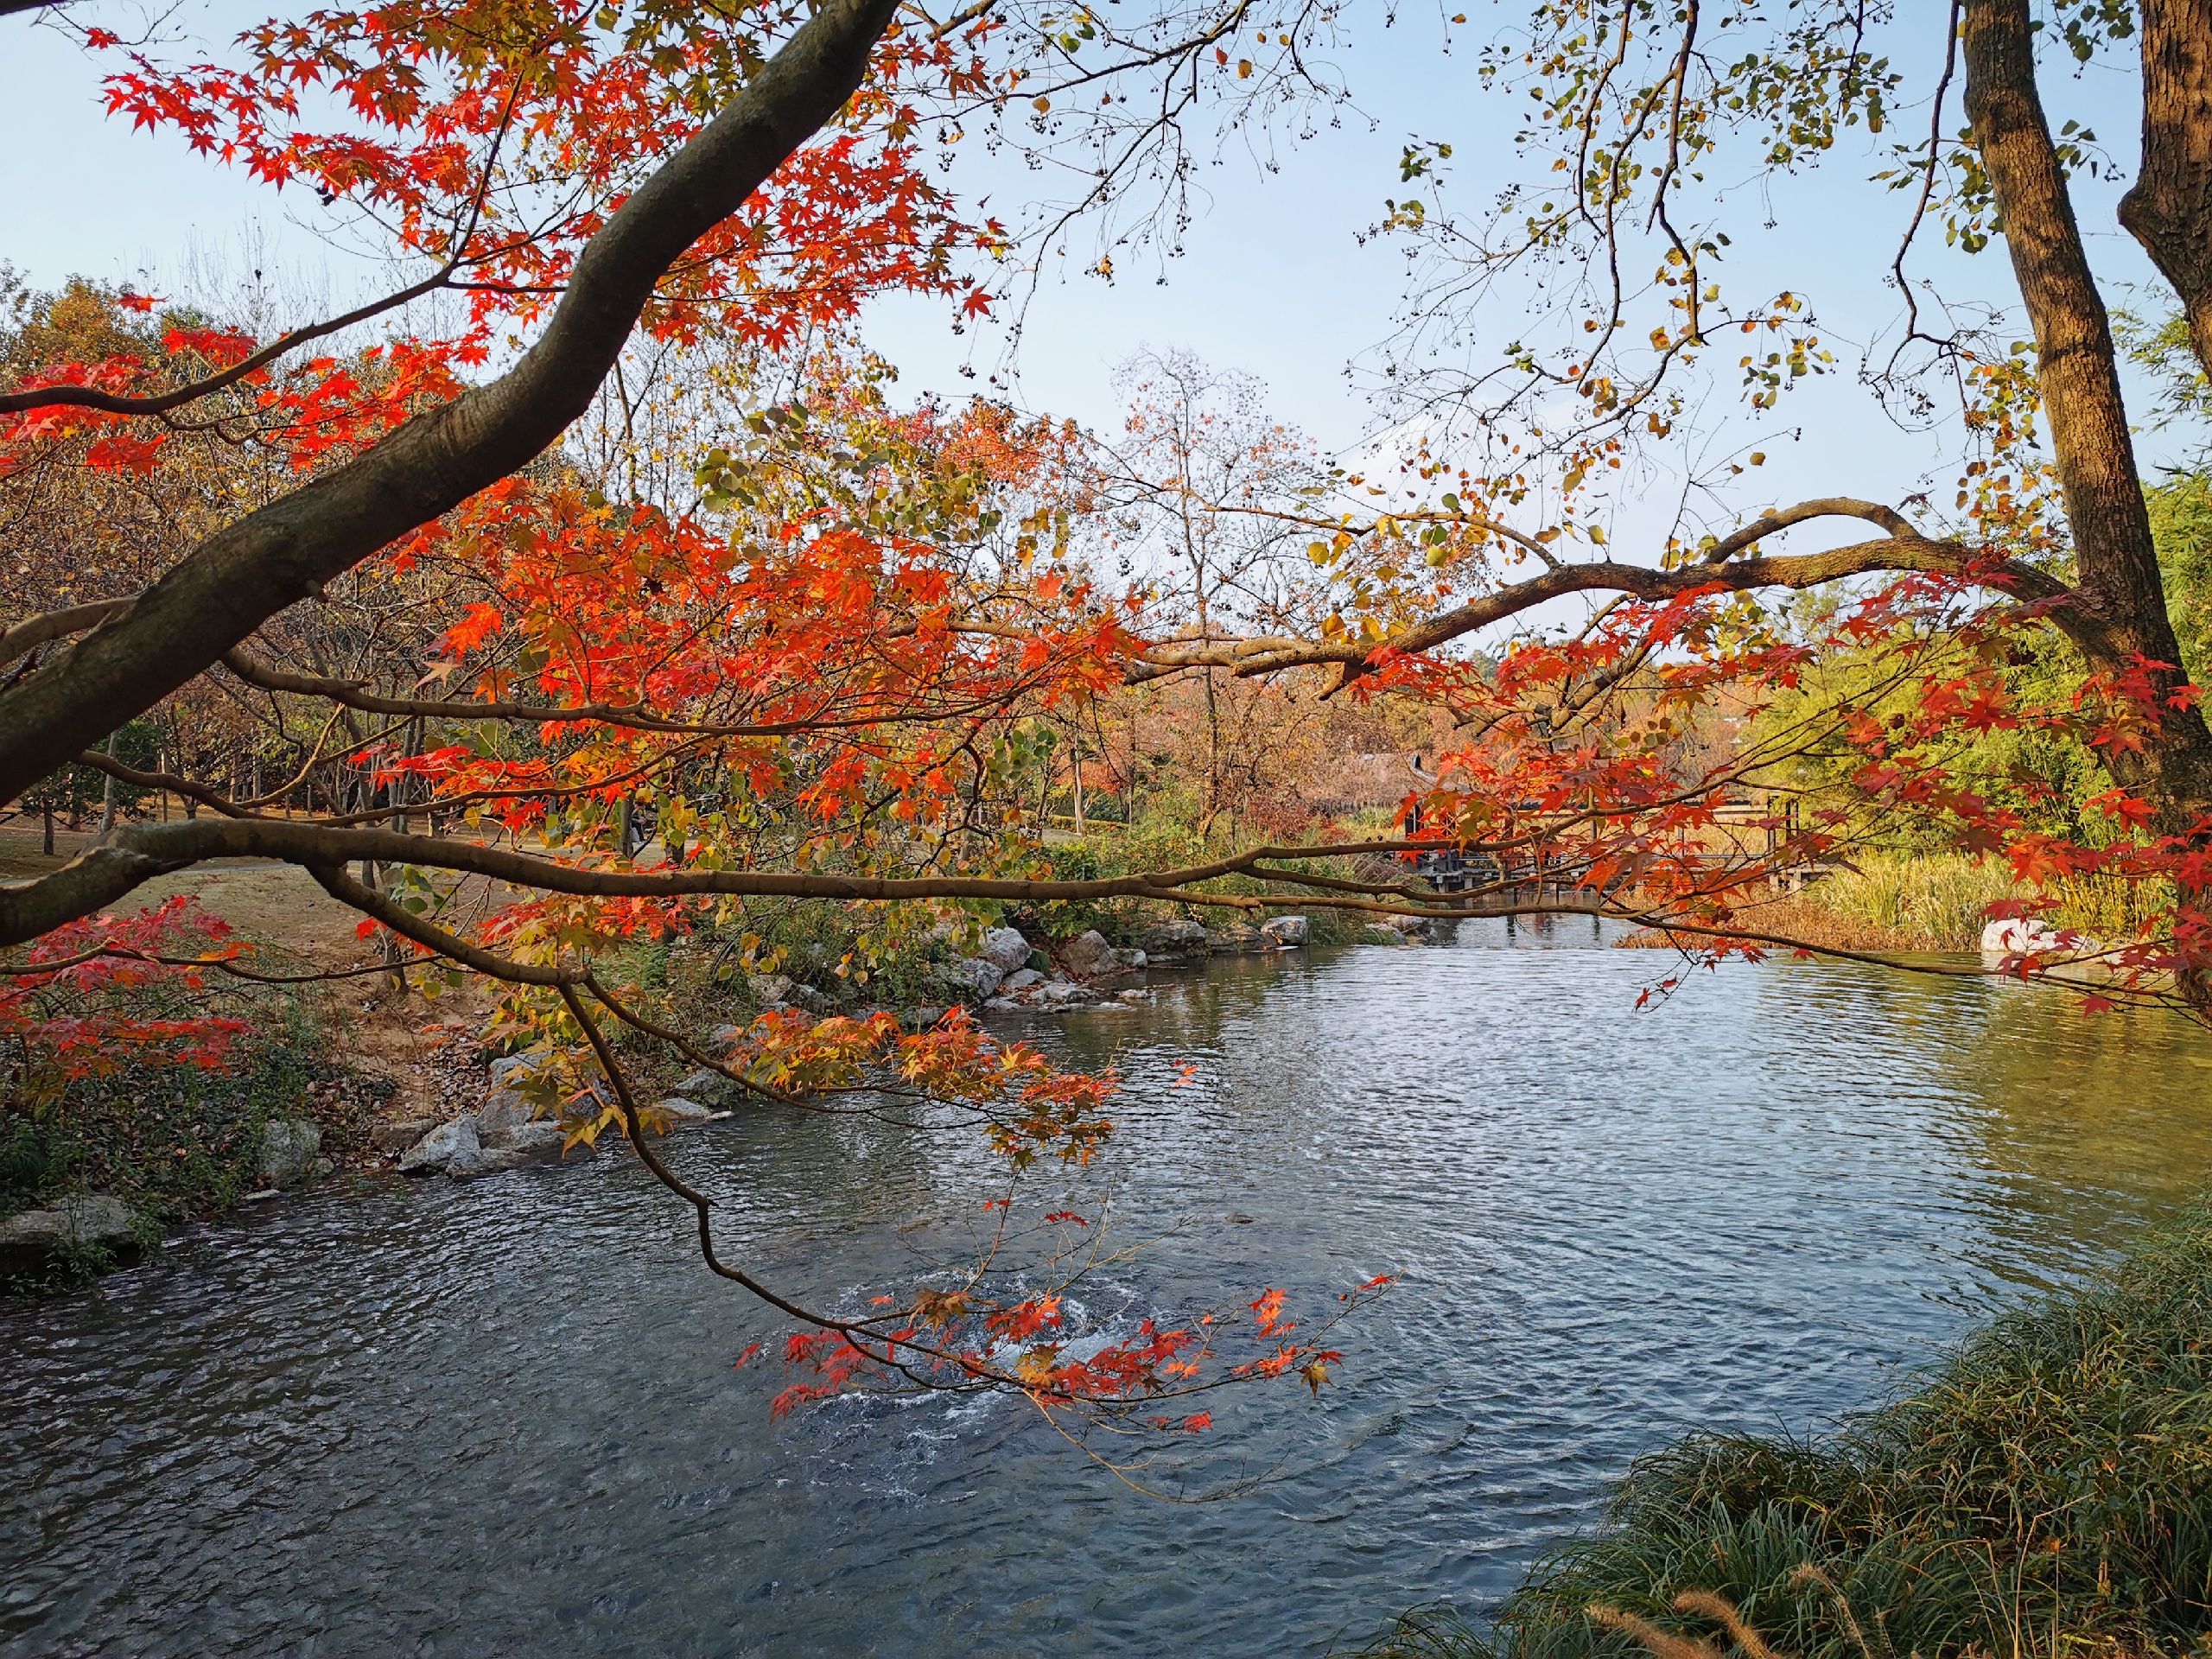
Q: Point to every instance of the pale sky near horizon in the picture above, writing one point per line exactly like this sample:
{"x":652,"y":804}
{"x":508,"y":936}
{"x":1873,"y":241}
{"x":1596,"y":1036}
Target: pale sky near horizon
{"x":1274,"y":280}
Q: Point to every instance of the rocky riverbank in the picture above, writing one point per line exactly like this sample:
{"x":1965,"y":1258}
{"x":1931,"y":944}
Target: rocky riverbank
{"x":498,"y":1127}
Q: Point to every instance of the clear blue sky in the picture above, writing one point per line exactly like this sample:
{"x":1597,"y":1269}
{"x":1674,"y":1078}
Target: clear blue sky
{"x":1274,"y":279}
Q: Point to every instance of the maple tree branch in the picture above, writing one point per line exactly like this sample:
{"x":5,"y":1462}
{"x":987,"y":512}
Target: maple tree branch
{"x":247,"y":572}
{"x":109,"y":403}
{"x":1903,"y":550}
{"x":631,"y":716}
{"x":142,"y":851}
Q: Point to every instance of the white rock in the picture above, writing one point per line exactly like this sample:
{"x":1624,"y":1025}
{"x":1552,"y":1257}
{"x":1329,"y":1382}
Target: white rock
{"x":1021,"y":980}
{"x":983,"y":973}
{"x":1006,"y":948}
{"x":1287,"y":930}
{"x":2017,"y":935}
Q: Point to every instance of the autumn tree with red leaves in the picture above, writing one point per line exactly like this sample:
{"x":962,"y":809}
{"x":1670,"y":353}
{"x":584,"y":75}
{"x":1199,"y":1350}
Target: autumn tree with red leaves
{"x":805,"y":648}
{"x":475,"y":619}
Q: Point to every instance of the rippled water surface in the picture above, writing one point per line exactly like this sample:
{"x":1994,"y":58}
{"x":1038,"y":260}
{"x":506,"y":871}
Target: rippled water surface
{"x":502,"y":1419}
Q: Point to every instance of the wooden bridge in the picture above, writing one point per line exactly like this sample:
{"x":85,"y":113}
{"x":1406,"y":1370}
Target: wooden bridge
{"x":1499,"y":891}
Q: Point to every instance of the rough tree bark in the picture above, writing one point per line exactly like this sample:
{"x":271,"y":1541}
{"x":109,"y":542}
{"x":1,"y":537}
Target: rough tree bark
{"x":2119,"y":582}
{"x":2168,"y":210}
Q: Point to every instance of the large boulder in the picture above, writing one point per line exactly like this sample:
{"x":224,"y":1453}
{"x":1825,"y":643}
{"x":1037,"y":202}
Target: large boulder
{"x":92,"y":1227}
{"x":512,"y":1147}
{"x":435,"y":1151}
{"x":1021,"y":979}
{"x":1005,"y":949}
{"x":980,"y":977}
{"x":502,"y":1110}
{"x":533,"y":1137}
{"x":674,"y":1109}
{"x":1287,"y":930}
{"x":290,"y":1148}
{"x":770,"y":990}
{"x":1089,"y":956}
{"x":1235,"y":938}
{"x":1181,"y":938}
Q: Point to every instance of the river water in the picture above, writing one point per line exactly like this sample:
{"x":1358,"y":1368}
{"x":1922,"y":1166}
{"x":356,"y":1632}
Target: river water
{"x":502,"y":1419}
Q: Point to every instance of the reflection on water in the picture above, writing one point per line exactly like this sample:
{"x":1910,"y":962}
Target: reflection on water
{"x":502,"y":1419}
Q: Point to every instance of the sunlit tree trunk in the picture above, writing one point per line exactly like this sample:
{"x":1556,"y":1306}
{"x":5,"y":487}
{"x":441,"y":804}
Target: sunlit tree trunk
{"x":2170,"y":208}
{"x":2121,"y":618}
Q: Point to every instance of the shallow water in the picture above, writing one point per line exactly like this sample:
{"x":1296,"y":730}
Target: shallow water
{"x":502,"y":1419}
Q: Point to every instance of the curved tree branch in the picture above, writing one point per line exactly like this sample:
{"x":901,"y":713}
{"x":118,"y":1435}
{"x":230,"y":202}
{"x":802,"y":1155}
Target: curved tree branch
{"x":142,"y":851}
{"x":1903,"y":550}
{"x":252,"y":569}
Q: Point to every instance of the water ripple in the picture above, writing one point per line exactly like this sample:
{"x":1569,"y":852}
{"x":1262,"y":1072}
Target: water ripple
{"x":503,"y":1419}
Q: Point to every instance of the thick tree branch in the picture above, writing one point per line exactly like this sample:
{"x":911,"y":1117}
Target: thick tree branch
{"x":36,"y":631}
{"x":252,"y":569}
{"x":2077,"y":373}
{"x":141,"y":852}
{"x":2168,"y":209}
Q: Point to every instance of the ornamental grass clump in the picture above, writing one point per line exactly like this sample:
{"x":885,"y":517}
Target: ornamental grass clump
{"x":2048,"y":1489}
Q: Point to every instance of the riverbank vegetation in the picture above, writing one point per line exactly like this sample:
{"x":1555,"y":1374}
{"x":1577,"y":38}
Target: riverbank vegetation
{"x":2046,"y":1489}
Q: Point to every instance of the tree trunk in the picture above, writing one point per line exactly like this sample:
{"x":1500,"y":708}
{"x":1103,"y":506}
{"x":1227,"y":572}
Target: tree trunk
{"x":107,"y":798}
{"x":2120,"y":617}
{"x":2168,"y":210}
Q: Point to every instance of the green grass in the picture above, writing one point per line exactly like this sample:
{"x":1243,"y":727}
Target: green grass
{"x":1937,"y":897}
{"x":2047,"y":1489}
{"x":1941,"y":899}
